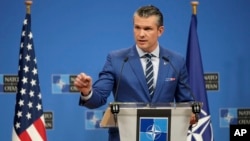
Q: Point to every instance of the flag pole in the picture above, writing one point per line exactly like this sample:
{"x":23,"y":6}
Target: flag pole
{"x":28,"y":5}
{"x":194,"y":6}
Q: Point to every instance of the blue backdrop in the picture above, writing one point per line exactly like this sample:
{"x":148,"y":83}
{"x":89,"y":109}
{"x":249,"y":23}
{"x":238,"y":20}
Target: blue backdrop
{"x":75,"y":36}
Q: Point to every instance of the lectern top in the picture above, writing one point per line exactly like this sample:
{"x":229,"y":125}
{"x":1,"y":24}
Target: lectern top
{"x":152,"y":105}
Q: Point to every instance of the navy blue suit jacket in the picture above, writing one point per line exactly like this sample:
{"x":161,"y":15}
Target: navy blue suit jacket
{"x":133,"y":86}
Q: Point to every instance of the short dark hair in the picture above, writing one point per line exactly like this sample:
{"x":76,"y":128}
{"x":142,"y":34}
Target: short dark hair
{"x":150,"y":10}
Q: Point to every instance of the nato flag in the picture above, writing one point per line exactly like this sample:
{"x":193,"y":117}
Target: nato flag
{"x":203,"y":130}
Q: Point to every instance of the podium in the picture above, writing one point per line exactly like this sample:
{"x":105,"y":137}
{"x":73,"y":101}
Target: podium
{"x":149,"y":122}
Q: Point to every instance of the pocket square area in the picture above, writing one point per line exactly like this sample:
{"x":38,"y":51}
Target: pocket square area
{"x":170,"y":79}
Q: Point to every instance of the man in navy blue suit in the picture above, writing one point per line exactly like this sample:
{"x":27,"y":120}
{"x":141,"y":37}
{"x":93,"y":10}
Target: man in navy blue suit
{"x":128,"y":68}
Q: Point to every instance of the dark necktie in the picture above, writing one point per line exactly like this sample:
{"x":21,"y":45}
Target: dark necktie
{"x":149,"y":74}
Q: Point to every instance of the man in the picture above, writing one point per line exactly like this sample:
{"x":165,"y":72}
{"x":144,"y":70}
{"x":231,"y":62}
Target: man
{"x":164,"y":83}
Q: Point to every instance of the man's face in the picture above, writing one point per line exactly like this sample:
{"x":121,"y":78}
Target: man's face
{"x":146,"y":32}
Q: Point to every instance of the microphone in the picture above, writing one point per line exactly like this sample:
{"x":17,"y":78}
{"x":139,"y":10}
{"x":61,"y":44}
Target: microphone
{"x":118,"y":82}
{"x":115,"y":108}
{"x":196,"y":109}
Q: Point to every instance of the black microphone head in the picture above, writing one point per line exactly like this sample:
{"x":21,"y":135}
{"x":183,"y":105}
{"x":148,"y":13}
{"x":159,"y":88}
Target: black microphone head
{"x":196,"y":107}
{"x":115,"y":108}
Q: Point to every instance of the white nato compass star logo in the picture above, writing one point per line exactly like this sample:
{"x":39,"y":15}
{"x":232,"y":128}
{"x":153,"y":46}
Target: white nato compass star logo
{"x":153,"y":132}
{"x":199,"y":129}
{"x":61,"y":84}
{"x":229,"y":117}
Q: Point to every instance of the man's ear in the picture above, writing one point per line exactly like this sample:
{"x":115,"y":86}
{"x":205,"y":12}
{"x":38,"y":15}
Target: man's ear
{"x":160,"y":30}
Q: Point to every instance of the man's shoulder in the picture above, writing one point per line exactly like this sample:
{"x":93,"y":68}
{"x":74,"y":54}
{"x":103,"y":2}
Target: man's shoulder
{"x":170,"y":53}
{"x":122,"y":51}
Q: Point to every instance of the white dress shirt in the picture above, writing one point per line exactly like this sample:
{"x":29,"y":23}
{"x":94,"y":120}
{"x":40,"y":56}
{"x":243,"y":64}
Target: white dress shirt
{"x":155,"y":60}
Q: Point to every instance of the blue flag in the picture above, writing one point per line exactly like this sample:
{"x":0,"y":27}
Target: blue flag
{"x":203,"y":130}
{"x":29,"y":124}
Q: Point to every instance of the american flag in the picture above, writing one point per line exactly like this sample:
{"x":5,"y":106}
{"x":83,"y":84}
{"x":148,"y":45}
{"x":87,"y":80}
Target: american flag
{"x":29,"y":122}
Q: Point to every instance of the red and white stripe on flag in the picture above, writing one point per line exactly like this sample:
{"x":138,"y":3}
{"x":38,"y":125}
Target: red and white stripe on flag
{"x":35,"y":132}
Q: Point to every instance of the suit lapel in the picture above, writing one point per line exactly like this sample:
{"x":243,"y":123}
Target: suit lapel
{"x":134,"y":61}
{"x":136,"y":67}
{"x":162,"y":73}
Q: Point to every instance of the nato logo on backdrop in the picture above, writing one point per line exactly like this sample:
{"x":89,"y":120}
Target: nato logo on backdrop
{"x":8,"y":83}
{"x":93,"y":119}
{"x":234,"y":116}
{"x":238,"y":121}
{"x":63,"y":83}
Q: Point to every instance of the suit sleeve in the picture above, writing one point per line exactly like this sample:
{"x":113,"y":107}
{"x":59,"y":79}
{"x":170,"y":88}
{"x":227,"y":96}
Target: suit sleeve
{"x":102,"y":87}
{"x":183,"y":93}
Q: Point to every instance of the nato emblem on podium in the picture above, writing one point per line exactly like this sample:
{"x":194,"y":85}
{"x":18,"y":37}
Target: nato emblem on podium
{"x":153,"y":125}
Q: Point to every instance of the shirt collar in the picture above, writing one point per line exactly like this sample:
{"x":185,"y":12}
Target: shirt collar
{"x":154,"y":52}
